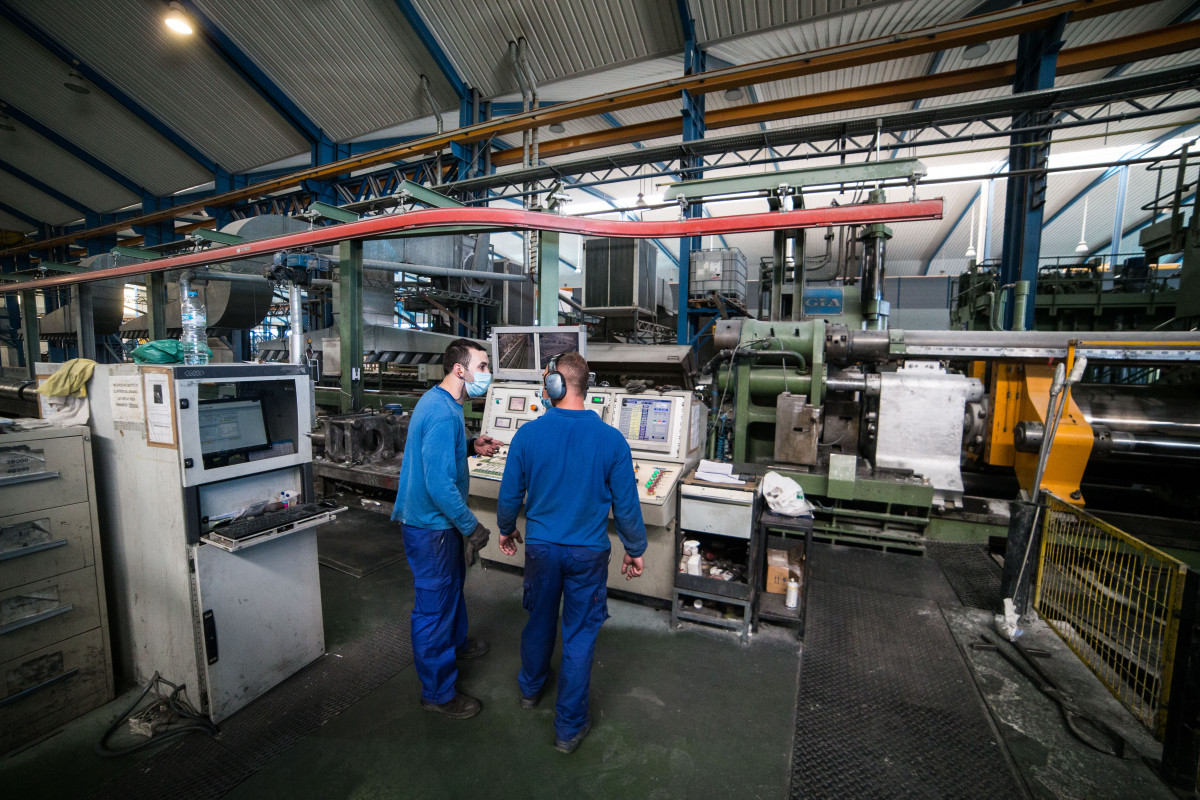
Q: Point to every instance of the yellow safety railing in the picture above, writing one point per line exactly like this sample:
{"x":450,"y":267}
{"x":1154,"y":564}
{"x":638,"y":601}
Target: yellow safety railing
{"x":1115,"y":601}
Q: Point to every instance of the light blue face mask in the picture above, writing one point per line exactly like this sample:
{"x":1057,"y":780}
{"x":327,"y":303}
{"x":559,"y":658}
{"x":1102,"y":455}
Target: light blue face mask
{"x":479,"y":386}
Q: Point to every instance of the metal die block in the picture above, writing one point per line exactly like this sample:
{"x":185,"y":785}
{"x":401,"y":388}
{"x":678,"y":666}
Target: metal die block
{"x":41,"y":690}
{"x":41,"y":544}
{"x":921,"y":409}
{"x":797,"y":430}
{"x":38,"y":614}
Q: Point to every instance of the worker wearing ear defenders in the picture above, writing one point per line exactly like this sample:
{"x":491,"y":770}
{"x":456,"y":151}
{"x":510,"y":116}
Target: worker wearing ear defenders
{"x":567,"y":552}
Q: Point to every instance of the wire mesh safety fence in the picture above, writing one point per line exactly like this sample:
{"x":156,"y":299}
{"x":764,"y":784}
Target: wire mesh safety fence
{"x":1116,"y":602}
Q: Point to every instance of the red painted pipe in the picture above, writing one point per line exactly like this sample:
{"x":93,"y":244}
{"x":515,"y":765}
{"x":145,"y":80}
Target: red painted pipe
{"x":505,"y":219}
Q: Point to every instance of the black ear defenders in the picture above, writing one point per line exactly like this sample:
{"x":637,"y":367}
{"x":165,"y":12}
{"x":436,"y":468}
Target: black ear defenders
{"x":556,"y":385}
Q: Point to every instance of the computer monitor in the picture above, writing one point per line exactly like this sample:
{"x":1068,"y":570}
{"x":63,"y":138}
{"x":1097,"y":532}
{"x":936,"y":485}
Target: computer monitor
{"x":648,"y":422}
{"x":231,"y":427}
{"x":522,"y":353}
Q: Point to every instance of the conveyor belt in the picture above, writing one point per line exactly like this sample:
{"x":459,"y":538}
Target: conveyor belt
{"x":887,"y":707}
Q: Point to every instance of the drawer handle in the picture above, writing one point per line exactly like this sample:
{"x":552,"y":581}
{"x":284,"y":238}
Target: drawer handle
{"x":43,"y":685}
{"x":33,"y":548}
{"x":13,"y":480}
{"x":36,"y":618}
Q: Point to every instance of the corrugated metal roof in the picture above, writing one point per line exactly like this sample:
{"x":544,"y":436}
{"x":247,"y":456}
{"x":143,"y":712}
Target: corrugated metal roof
{"x":95,"y":121}
{"x":354,"y":66}
{"x":25,"y":198}
{"x":181,"y":80}
{"x":36,"y":156}
{"x":564,"y":38}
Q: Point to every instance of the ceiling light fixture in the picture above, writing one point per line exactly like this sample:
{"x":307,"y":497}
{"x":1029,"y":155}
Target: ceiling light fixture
{"x":734,"y":94}
{"x":76,"y":82}
{"x":975,"y":51}
{"x":1082,"y":247}
{"x":177,"y":21}
{"x":556,"y":127}
{"x":641,"y":201}
{"x":971,"y":253}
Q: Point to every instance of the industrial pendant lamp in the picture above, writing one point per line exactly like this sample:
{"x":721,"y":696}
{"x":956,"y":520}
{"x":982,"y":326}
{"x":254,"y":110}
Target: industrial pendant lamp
{"x":177,"y":21}
{"x":76,"y":82}
{"x":734,"y":94}
{"x":1082,"y":247}
{"x":971,"y":242}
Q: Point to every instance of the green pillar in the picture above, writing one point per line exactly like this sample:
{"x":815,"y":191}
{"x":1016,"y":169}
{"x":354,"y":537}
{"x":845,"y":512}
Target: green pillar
{"x":156,"y":306}
{"x":30,"y":331}
{"x":350,"y":323}
{"x":547,"y":290}
{"x":83,"y":320}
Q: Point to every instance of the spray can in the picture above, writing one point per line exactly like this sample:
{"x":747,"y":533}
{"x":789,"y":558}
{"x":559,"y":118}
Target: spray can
{"x":792,"y":599}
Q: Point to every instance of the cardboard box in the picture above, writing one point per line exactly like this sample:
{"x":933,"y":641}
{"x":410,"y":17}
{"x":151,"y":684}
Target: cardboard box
{"x":782,"y":564}
{"x":777,"y":572}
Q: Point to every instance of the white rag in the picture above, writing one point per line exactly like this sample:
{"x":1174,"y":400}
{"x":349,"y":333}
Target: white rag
{"x":784,"y":496}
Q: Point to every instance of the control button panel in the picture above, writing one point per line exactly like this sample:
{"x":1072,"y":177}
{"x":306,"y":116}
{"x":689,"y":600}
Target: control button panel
{"x":656,"y":481}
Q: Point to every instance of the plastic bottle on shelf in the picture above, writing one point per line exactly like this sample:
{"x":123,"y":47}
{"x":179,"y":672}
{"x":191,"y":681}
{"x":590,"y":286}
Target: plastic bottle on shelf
{"x":194,"y":336}
{"x":793,"y":593}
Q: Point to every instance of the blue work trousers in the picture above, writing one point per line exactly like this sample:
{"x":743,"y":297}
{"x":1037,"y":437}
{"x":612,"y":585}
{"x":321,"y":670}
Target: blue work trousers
{"x":439,"y":617}
{"x":577,"y":577}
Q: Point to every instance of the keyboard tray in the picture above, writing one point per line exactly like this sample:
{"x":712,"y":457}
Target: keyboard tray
{"x":248,"y":533}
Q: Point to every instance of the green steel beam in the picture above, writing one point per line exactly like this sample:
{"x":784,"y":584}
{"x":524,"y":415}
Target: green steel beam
{"x":350,"y":324}
{"x":907,"y":168}
{"x":136,"y":252}
{"x":428,"y":196}
{"x":217,"y":237}
{"x":51,"y":265}
{"x":332,"y":212}
{"x":547,"y":289}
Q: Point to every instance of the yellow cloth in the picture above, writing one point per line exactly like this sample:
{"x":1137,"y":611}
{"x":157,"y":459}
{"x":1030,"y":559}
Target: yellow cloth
{"x":70,"y":380}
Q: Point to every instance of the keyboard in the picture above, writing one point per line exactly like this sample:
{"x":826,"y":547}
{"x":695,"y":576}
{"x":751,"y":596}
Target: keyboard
{"x":243,"y":528}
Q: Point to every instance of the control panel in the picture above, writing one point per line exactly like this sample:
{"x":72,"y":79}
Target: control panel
{"x":489,"y":467}
{"x":656,"y":481}
{"x":508,"y":407}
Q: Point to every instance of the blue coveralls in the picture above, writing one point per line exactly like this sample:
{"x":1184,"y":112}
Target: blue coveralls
{"x":431,"y":505}
{"x":574,"y":468}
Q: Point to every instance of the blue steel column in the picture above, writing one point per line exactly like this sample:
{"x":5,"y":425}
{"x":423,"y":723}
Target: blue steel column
{"x":1025,"y":198}
{"x":156,"y":288}
{"x":1119,"y":215}
{"x":693,"y":128}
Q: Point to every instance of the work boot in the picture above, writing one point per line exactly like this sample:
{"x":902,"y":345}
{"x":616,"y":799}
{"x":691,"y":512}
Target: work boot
{"x":461,"y":706}
{"x":473,"y":648}
{"x":532,"y":702}
{"x":572,"y":744}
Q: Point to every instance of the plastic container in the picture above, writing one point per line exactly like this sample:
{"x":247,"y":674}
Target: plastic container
{"x":194,"y":335}
{"x":792,"y":598}
{"x":722,"y":271}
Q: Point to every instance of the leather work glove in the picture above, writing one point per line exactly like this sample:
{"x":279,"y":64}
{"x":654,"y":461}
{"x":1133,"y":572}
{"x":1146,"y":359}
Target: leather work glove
{"x":475,"y":542}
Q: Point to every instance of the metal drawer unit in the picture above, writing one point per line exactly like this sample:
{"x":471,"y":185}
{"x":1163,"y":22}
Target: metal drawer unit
{"x":54,"y":641}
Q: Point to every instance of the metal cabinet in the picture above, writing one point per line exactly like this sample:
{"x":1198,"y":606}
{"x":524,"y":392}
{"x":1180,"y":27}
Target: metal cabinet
{"x":55,"y":662}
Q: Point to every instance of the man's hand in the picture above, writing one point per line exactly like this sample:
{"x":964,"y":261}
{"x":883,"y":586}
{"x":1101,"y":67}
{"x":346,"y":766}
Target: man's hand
{"x":632,"y":567}
{"x":475,"y":542}
{"x":486,"y":446}
{"x":508,"y":544}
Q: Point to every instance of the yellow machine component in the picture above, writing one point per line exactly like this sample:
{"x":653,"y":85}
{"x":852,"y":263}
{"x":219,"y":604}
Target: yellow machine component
{"x":1072,"y":443}
{"x":1006,"y":391}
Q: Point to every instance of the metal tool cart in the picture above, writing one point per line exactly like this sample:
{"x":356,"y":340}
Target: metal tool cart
{"x":721,"y":516}
{"x":778,"y":532}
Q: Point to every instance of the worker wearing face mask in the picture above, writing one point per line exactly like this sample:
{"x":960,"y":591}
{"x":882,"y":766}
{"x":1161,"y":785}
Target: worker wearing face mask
{"x":566,"y":557}
{"x":441,"y":535}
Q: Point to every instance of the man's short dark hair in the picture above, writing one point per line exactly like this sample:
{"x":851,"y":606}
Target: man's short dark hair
{"x":574,"y":371}
{"x":459,"y":352}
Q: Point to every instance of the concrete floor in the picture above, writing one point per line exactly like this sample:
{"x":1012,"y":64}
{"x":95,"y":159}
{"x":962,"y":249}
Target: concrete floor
{"x":690,"y":713}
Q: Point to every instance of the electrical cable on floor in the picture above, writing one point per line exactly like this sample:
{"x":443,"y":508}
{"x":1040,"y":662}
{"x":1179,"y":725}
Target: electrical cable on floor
{"x":179,"y":706}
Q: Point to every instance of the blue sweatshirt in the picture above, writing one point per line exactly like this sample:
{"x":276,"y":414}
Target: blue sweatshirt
{"x":574,"y":467}
{"x":433,"y":475}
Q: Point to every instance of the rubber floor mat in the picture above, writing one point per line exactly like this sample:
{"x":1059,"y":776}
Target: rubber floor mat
{"x":909,"y":575}
{"x":972,"y":572}
{"x":359,"y":542}
{"x":886,"y":707}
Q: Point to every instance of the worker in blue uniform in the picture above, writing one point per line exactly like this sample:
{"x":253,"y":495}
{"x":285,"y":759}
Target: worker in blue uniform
{"x":569,"y":468}
{"x":441,"y":535}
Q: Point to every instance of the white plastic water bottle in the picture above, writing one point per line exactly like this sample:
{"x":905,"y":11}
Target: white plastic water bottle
{"x":194,"y":336}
